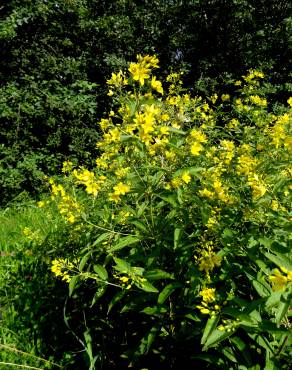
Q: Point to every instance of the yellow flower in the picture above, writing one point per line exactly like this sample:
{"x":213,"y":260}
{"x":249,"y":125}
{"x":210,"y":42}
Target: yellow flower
{"x":114,"y":197}
{"x":122,"y":172}
{"x":186,"y":177}
{"x":208,"y":295}
{"x":258,"y":187}
{"x":274,"y":205}
{"x":214,"y":98}
{"x":41,"y":204}
{"x":104,"y":123}
{"x":164,"y":130}
{"x":176,"y":182}
{"x":279,"y":280}
{"x":121,"y":189}
{"x":199,"y":136}
{"x":150,"y":61}
{"x":208,"y":259}
{"x":225,"y":97}
{"x":165,"y":117}
{"x":156,"y":85}
{"x":170,"y":155}
{"x":206,"y":193}
{"x":289,"y":101}
{"x":233,"y":123}
{"x":61,"y":268}
{"x":67,"y":166}
{"x":204,"y":310}
{"x":255,"y":99}
{"x":139,"y":72}
{"x":117,"y":79}
{"x":196,"y":148}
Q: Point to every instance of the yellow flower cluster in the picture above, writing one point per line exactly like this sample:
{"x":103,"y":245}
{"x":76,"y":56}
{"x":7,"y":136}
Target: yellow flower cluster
{"x":229,"y":325}
{"x":67,"y":166}
{"x":88,"y":179}
{"x":228,"y":151}
{"x":128,"y":280}
{"x":247,"y":165}
{"x":141,"y":70}
{"x":68,"y":207}
{"x":281,"y":132}
{"x":117,"y":79}
{"x":31,"y":235}
{"x":253,"y":76}
{"x":197,"y":138}
{"x":255,"y":99}
{"x":257,"y":185}
{"x":207,"y":306}
{"x":64,"y":268}
{"x":208,"y":259}
{"x":183,"y":179}
{"x":119,"y":189}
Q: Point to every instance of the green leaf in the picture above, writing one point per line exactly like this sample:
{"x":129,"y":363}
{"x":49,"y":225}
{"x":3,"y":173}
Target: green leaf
{"x":157,"y":275}
{"x":172,"y":199}
{"x":261,"y":288}
{"x":72,"y":284}
{"x":229,"y":353}
{"x":116,"y":298}
{"x":101,"y":271}
{"x":205,"y":213}
{"x":210,"y":326}
{"x":142,"y":208}
{"x":124,"y":242}
{"x":272,"y":328}
{"x":176,"y":131}
{"x":122,"y":265}
{"x":180,"y":194}
{"x":191,"y":170}
{"x":274,"y":299}
{"x":177,"y":235}
{"x":147,"y":287}
{"x":84,"y":260}
{"x":280,"y":260}
{"x":167,"y":291}
{"x":101,"y":238}
{"x":216,"y":337}
{"x":156,"y":310}
{"x":243,"y":348}
{"x":139,"y":225}
{"x":99,"y":293}
{"x":282,"y":310}
{"x":266,"y":242}
{"x":147,"y":341}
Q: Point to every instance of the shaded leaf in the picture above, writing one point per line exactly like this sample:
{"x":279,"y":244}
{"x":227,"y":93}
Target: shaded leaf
{"x":167,"y":291}
{"x":72,"y":284}
{"x":117,"y":297}
{"x":101,"y":271}
{"x":210,"y":326}
{"x":124,"y":242}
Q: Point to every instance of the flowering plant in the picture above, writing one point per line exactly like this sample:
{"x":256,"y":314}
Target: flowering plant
{"x":188,"y":212}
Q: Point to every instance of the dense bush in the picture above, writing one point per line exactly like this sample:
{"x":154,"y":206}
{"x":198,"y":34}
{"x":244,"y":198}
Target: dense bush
{"x":182,"y":232}
{"x":55,"y":57}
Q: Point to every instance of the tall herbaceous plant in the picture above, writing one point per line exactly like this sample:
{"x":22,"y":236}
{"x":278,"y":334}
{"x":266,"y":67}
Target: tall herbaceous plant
{"x":188,"y":223}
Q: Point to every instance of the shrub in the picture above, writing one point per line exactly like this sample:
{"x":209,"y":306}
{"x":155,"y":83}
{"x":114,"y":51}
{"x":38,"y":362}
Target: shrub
{"x":186,"y":227}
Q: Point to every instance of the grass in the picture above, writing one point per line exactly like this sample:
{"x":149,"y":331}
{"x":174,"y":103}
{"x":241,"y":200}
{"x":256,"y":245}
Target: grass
{"x":16,"y":349}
